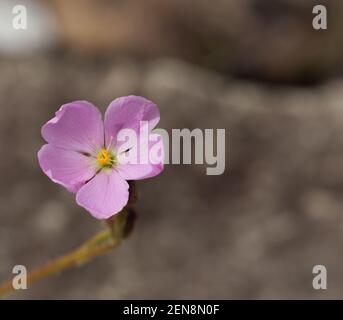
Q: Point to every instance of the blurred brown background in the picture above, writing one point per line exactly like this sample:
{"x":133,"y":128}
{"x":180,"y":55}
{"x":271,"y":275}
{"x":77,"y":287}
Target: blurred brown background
{"x":254,"y":67}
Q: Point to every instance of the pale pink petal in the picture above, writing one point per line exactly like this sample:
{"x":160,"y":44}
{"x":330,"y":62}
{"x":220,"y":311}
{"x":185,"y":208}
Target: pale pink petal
{"x":105,"y":195}
{"x":77,"y":126}
{"x":127,"y":112}
{"x":143,"y":161}
{"x":66,"y":167}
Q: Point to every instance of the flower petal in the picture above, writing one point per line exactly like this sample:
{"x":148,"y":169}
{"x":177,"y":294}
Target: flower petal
{"x":143,"y":161}
{"x":105,"y":195}
{"x":77,"y":126}
{"x":66,"y":167}
{"x":127,"y":112}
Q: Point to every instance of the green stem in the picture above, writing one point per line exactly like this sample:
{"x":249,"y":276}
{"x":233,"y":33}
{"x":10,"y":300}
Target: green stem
{"x":100,"y":244}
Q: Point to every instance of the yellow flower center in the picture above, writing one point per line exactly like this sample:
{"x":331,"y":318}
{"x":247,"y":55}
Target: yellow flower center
{"x":106,"y":159}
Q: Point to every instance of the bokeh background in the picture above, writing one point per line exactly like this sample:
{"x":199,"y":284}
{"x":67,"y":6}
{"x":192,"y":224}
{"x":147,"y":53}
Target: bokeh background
{"x":254,"y":67}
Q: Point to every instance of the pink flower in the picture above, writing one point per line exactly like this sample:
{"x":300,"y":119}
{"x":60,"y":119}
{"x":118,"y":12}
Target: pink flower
{"x":82,"y":151}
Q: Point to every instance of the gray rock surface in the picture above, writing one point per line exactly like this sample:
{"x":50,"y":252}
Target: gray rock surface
{"x":269,"y":39}
{"x":254,"y":232}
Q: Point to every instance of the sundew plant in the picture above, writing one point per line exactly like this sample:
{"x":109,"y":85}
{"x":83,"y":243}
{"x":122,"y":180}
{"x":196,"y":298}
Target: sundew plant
{"x":98,"y":160}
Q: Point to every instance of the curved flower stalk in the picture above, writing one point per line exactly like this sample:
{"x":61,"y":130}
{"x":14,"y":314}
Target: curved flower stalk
{"x":100,"y":244}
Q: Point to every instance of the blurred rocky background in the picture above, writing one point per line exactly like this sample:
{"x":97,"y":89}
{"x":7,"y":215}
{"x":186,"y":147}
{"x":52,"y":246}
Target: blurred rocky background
{"x":254,"y":67}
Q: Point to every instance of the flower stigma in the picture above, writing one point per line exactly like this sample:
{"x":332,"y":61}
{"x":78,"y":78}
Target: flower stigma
{"x":106,"y":159}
